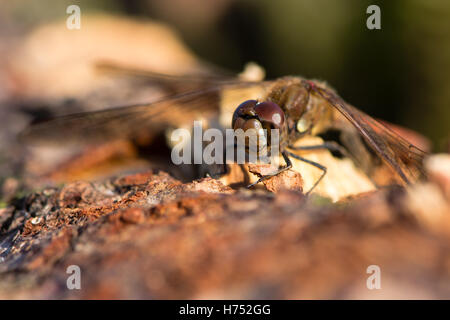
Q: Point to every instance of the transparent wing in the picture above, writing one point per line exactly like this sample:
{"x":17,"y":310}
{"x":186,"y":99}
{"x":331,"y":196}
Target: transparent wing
{"x":403,"y":157}
{"x":211,"y":75}
{"x":132,"y":121}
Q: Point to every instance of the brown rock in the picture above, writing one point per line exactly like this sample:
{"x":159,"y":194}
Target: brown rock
{"x":133,"y":215}
{"x":289,"y":179}
{"x":160,"y":238}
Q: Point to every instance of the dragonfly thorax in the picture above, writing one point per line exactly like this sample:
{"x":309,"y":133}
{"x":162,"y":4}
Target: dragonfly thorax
{"x":293,"y":95}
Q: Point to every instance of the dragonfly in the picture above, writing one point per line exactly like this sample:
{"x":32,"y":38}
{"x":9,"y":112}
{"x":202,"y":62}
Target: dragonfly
{"x":300,"y":106}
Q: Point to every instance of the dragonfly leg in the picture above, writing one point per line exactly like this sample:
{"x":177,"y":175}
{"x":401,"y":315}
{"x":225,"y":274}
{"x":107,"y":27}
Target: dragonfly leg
{"x":265,"y":177}
{"x":329,"y":145}
{"x":315,"y":164}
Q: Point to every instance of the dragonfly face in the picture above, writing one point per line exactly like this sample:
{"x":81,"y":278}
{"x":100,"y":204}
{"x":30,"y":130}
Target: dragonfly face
{"x":262,"y":117}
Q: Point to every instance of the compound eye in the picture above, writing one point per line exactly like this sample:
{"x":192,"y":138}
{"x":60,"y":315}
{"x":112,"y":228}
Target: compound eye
{"x":245,"y":125}
{"x":253,"y":131}
{"x":238,"y":123}
{"x":271,"y":113}
{"x":253,"y":124}
{"x":244,"y":110}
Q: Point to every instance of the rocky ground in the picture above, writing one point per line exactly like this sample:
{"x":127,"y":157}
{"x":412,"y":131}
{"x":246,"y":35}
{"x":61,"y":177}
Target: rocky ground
{"x":150,"y":236}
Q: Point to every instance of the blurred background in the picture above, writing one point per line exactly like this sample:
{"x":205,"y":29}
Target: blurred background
{"x":399,"y":73}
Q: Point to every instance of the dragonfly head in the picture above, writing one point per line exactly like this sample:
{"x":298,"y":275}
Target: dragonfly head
{"x":262,"y":117}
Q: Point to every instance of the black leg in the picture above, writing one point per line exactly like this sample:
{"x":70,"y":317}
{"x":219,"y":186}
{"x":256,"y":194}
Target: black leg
{"x":265,"y":177}
{"x":315,"y":164}
{"x":329,"y":145}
